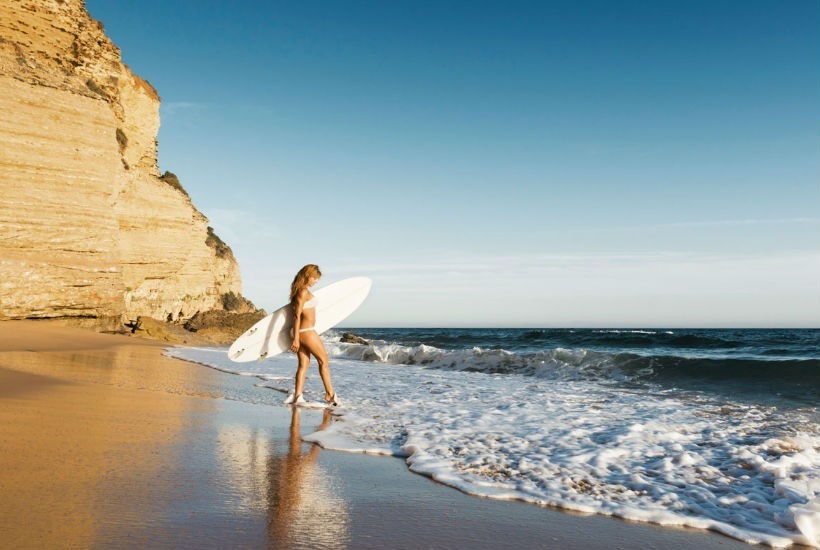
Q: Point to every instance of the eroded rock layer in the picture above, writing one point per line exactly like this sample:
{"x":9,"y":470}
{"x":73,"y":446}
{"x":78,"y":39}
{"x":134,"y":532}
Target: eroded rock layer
{"x":87,"y":227}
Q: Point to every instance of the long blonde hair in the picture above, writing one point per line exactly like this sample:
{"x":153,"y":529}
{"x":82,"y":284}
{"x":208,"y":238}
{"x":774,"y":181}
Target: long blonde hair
{"x":300,"y":282}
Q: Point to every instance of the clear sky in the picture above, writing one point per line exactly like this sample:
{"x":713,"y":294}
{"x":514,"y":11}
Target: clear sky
{"x":545,"y":163}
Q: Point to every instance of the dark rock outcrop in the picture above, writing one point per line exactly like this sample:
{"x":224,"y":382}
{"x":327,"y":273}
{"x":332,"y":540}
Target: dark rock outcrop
{"x":222,"y":327}
{"x":350,"y":338}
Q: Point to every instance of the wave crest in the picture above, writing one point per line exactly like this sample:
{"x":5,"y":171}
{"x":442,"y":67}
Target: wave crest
{"x":583,"y":364}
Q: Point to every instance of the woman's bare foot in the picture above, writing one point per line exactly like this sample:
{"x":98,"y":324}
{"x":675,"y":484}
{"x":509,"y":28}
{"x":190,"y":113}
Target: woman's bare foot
{"x":294,"y":399}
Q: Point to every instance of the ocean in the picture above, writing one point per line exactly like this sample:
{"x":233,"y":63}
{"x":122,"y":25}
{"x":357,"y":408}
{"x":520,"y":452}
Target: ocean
{"x":711,"y":428}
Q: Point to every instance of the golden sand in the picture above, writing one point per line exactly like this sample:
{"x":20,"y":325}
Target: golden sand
{"x":71,"y":421}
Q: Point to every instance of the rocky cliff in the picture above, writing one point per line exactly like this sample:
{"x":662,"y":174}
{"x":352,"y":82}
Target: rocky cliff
{"x":88,"y":228}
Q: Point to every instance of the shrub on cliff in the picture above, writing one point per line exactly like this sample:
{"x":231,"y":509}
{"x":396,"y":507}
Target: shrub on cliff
{"x":222,"y":249}
{"x":171,"y":179}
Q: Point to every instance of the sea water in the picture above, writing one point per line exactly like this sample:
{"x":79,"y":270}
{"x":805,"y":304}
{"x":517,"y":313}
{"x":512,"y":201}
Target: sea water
{"x":714,"y":429}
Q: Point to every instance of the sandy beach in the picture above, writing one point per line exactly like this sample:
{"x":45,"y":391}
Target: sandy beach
{"x":104,"y":442}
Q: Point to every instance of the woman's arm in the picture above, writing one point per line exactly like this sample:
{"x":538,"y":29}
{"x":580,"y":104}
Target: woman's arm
{"x":298,"y":303}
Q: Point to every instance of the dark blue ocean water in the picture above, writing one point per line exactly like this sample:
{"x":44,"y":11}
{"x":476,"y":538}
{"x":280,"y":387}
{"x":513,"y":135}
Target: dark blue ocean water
{"x":780,"y":366}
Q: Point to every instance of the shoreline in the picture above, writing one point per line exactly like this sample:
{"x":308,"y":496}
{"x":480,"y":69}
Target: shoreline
{"x":106,"y":441}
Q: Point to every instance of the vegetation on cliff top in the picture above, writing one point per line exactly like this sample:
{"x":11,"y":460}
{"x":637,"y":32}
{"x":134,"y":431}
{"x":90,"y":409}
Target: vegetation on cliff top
{"x":171,"y":179}
{"x":222,"y":249}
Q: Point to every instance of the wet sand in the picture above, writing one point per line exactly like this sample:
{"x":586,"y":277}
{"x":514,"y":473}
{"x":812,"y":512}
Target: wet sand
{"x":106,"y":443}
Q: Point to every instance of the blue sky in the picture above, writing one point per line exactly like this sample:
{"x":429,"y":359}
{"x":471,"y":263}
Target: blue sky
{"x":501,"y":164}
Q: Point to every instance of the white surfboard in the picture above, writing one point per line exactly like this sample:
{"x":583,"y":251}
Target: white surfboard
{"x":271,"y":335}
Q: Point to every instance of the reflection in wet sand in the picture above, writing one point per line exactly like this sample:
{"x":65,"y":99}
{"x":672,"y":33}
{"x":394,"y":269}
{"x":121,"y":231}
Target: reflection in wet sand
{"x":302,"y":502}
{"x":305,"y":508}
{"x":242,"y":453}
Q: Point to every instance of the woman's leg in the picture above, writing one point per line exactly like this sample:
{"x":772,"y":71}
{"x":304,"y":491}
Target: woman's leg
{"x":311,"y":342}
{"x":301,"y":370}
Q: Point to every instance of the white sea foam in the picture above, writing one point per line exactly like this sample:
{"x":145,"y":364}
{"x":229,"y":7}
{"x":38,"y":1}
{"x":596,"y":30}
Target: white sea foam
{"x":661,"y":456}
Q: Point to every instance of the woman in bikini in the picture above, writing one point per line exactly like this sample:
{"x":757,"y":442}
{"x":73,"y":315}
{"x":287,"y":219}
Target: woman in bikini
{"x":306,"y":341}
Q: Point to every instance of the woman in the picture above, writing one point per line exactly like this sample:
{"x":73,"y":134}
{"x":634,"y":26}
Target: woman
{"x":306,"y":341}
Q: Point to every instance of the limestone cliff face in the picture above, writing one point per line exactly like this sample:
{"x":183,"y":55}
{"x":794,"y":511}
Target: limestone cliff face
{"x":87,"y":226}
